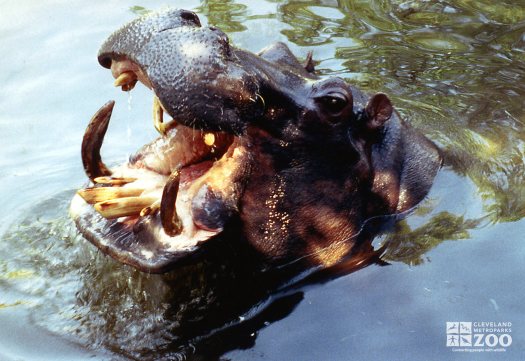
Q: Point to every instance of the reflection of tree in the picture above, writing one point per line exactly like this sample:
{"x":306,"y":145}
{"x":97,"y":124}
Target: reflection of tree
{"x":139,"y":10}
{"x":496,"y":167}
{"x":409,"y":245}
{"x":461,"y":81}
{"x":227,"y":15}
{"x":306,"y":26}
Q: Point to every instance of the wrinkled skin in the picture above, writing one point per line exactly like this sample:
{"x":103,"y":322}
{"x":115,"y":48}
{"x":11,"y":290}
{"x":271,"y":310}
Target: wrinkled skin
{"x":297,"y":167}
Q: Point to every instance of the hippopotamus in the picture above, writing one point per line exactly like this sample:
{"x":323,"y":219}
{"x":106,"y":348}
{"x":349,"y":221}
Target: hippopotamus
{"x":260,"y":153}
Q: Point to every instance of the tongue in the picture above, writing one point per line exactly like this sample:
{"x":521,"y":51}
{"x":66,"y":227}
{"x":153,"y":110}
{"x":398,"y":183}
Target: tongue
{"x":182,"y":146}
{"x":191,"y":173}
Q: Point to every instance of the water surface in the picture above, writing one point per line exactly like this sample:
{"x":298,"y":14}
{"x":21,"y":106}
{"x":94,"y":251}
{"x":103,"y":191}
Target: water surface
{"x":455,"y":69}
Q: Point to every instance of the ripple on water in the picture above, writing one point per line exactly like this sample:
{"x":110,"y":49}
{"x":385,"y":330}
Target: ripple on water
{"x":72,"y":291}
{"x":455,"y":68}
{"x":438,"y":42}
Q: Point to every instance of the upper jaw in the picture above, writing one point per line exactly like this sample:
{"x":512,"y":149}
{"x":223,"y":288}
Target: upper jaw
{"x":127,"y":221}
{"x":126,"y":74}
{"x":193,"y":71}
{"x":191,"y":179}
{"x":132,"y":37}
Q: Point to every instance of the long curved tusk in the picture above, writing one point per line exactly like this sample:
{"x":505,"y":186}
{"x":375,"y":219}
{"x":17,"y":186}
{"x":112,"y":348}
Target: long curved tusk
{"x":92,"y":142}
{"x":168,"y":212}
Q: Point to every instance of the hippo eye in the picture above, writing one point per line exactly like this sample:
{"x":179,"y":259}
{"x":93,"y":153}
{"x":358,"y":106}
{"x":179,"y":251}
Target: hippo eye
{"x":334,"y":103}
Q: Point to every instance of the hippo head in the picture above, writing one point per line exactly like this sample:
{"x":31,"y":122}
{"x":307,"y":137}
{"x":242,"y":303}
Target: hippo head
{"x":258,"y":143}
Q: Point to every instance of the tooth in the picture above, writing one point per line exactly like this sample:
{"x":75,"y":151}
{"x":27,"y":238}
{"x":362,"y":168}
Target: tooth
{"x":158,"y":116}
{"x":122,"y":207}
{"x":209,"y":139}
{"x":150,"y":209}
{"x":92,"y":142}
{"x":126,"y":80}
{"x":116,"y":181}
{"x":100,"y":194}
{"x":168,"y":213}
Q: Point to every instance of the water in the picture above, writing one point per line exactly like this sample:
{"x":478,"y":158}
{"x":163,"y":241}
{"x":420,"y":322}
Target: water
{"x":456,"y":69}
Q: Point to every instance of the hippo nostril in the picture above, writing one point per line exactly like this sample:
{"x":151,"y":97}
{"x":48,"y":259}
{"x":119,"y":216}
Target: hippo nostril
{"x":105,"y":61}
{"x":190,"y":16}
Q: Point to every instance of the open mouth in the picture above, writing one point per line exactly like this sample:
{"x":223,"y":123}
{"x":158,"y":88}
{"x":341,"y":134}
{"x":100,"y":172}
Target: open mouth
{"x":172,"y":196}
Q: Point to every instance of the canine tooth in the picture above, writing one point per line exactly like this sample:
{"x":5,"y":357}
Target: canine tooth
{"x":126,"y":80}
{"x":122,"y":207}
{"x":158,"y":116}
{"x":92,"y":142}
{"x":152,"y":209}
{"x":100,"y":194}
{"x":171,"y":222}
{"x":116,"y":181}
{"x":209,"y":139}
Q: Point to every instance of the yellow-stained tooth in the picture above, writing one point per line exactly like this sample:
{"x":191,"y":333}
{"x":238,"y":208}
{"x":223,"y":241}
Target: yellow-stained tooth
{"x":152,"y":209}
{"x":209,"y":139}
{"x":100,"y":194}
{"x":122,"y":207}
{"x":126,"y":80}
{"x":115,"y":181}
{"x":158,"y":116}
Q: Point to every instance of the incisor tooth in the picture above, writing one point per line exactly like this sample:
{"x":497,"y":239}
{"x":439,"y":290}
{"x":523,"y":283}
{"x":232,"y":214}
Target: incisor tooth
{"x":209,"y":139}
{"x":126,"y":80}
{"x":100,"y":194}
{"x":122,"y":207}
{"x":116,"y":181}
{"x":152,"y":209}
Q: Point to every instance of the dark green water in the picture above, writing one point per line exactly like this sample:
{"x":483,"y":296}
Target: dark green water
{"x":455,"y":69}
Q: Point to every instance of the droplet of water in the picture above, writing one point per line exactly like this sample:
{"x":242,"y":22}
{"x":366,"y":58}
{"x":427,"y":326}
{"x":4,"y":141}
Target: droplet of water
{"x":130,"y":98}
{"x":128,"y":127}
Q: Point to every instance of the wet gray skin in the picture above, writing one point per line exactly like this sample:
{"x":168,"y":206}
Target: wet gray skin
{"x":260,"y":147}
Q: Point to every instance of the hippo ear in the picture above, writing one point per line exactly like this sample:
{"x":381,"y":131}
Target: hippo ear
{"x":378,"y":110}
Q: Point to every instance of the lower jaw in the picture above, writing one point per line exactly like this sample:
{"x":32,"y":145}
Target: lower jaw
{"x":120,"y":213}
{"x":140,"y":241}
{"x":151,"y":185}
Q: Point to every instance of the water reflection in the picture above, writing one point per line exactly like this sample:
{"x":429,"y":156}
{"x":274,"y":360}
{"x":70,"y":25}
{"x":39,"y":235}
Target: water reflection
{"x":410,"y":245}
{"x":228,"y":15}
{"x":308,"y":26}
{"x":215,"y":305}
{"x":455,"y":70}
{"x":464,"y":65}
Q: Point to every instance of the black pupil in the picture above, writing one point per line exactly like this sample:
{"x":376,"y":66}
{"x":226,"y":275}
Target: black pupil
{"x":335,"y":105}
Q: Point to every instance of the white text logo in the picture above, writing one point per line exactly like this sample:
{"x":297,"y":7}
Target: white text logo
{"x":478,"y":336}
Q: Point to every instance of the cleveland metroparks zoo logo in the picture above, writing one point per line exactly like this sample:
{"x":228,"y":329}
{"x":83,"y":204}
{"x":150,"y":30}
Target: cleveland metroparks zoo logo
{"x":479,"y":336}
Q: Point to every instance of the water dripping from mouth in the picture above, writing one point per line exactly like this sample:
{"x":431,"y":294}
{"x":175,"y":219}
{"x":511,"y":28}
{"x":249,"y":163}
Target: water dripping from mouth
{"x":128,"y":127}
